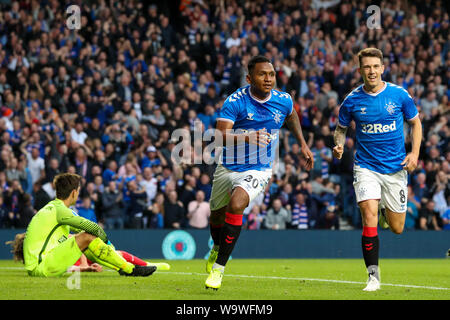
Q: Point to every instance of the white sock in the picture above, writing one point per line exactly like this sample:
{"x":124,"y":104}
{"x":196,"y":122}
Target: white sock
{"x":218,"y":266}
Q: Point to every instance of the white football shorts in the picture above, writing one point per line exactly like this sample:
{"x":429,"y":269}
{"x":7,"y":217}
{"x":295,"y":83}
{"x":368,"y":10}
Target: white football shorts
{"x":390,"y":188}
{"x":224,"y":181}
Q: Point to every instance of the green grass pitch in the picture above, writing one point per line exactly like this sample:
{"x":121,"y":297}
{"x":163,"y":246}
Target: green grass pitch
{"x":289,"y":279}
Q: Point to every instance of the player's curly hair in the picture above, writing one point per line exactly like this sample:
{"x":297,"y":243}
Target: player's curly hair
{"x":17,"y":247}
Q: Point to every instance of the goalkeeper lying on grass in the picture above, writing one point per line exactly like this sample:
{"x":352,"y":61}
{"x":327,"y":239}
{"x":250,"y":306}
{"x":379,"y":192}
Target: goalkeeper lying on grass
{"x":48,"y":250}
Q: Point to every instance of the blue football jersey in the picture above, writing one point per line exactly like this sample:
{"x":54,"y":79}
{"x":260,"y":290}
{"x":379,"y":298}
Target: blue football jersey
{"x":380,"y":141}
{"x":248,"y":113}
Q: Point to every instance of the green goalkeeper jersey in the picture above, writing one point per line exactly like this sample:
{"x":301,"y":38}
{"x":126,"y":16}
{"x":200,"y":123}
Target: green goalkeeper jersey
{"x":51,"y":226}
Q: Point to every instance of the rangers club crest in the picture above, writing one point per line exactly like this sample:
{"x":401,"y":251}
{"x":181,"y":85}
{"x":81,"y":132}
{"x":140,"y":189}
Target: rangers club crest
{"x":390,"y":107}
{"x":277,"y":116}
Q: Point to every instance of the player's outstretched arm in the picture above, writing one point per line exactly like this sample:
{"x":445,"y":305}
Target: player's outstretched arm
{"x":339,"y":141}
{"x":293,"y":123}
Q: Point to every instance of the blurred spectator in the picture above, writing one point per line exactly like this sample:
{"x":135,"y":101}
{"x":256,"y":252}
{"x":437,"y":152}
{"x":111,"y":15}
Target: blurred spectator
{"x":412,"y":211}
{"x":328,"y":219}
{"x":86,"y":210}
{"x":3,"y":214}
{"x":150,"y":184}
{"x":254,"y":219}
{"x":52,"y":170}
{"x":41,"y":198}
{"x":137,"y":205}
{"x":428,"y":217}
{"x":13,"y":199}
{"x":189,"y":190}
{"x":446,"y":220}
{"x":439,"y":190}
{"x":205,"y":185}
{"x":277,"y":217}
{"x":174,"y":213}
{"x":156,"y":220}
{"x":113,"y":212}
{"x":322,"y":158}
{"x":300,"y":219}
{"x":26,"y":212}
{"x":13,"y":172}
{"x":110,"y":172}
{"x":36,"y":164}
{"x":420,"y":187}
{"x":49,"y":188}
{"x":198,"y":211}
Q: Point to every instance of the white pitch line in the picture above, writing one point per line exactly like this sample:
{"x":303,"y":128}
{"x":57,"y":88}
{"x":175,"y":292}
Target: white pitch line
{"x":280,"y":278}
{"x":306,"y":279}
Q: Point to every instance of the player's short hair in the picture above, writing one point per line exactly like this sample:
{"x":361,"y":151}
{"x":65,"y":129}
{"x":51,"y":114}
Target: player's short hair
{"x":370,"y":52}
{"x":254,"y":60}
{"x":65,"y":183}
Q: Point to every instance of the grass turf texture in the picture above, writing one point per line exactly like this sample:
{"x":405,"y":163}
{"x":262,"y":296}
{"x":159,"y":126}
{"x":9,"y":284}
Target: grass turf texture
{"x":289,"y":279}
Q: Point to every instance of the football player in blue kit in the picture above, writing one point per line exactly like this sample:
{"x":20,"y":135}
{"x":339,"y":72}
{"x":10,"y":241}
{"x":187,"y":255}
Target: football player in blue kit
{"x":381,"y":164}
{"x":249,"y":123}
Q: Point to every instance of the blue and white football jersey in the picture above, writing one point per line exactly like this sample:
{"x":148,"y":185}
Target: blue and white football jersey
{"x":380,"y":141}
{"x":248,"y":113}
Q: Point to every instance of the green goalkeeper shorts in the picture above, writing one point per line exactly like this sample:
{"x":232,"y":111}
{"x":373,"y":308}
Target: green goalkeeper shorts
{"x":58,"y":260}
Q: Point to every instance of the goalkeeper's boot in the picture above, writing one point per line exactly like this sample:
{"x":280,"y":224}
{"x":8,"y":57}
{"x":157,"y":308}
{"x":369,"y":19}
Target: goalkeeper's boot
{"x":382,"y":218}
{"x":212,"y":258}
{"x":373,"y":284}
{"x":139,"y":271}
{"x":160,"y":266}
{"x":214,"y":280}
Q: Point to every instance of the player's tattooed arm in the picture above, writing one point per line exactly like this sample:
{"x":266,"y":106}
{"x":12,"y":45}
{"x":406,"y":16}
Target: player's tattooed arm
{"x":339,"y":135}
{"x":339,"y":141}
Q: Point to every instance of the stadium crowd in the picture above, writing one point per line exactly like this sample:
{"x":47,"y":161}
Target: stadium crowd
{"x":103,"y":101}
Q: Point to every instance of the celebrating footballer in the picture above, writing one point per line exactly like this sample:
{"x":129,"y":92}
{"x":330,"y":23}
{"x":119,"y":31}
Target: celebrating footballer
{"x":381,"y":164}
{"x":249,"y":122}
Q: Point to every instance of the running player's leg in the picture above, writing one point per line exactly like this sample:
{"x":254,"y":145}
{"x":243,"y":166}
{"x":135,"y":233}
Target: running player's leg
{"x":370,"y":242}
{"x":368,"y":193}
{"x":216,"y":222}
{"x":229,"y":235}
{"x":232,"y":224}
{"x":395,"y":194}
{"x":220,"y":197}
{"x":396,"y":220}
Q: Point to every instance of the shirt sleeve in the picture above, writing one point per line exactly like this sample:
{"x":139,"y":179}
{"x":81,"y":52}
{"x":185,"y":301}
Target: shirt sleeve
{"x":77,"y":224}
{"x":345,"y":116}
{"x":229,"y":111}
{"x":409,"y":107}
